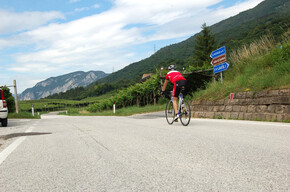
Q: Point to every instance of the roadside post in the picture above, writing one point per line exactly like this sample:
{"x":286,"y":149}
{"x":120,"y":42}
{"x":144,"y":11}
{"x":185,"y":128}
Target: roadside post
{"x":231,"y":96}
{"x":161,"y":83}
{"x":16,"y":96}
{"x":32,"y":110}
{"x":114,"y":107}
{"x":219,"y":59}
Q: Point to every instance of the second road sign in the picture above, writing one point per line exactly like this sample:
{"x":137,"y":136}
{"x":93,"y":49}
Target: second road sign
{"x":218,"y":60}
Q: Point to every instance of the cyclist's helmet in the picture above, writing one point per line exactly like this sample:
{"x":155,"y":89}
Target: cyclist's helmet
{"x":171,"y":67}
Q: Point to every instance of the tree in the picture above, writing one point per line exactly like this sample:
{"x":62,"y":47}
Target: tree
{"x":9,"y":99}
{"x":205,"y":43}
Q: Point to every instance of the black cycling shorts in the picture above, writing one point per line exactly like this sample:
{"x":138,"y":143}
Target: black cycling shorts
{"x":178,"y":87}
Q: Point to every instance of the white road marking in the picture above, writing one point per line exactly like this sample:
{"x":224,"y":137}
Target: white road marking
{"x":6,"y":152}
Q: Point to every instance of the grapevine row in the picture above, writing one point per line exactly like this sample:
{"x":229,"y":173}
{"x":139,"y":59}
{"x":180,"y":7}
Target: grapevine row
{"x":139,"y":94}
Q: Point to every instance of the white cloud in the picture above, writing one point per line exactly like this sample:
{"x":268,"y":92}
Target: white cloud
{"x":81,"y":9}
{"x":95,"y":6}
{"x":101,"y":41}
{"x":74,"y":1}
{"x":12,"y":22}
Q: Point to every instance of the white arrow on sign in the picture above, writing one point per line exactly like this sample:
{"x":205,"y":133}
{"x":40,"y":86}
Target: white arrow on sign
{"x":221,"y":67}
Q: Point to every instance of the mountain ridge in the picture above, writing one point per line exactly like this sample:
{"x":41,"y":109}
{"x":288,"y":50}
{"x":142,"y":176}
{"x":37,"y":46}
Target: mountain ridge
{"x":61,"y":83}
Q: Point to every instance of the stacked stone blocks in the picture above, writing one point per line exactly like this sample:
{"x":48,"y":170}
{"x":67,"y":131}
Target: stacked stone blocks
{"x":272,"y":105}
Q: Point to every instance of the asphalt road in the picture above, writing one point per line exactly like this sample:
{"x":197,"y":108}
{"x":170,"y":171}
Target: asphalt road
{"x":143,"y":153}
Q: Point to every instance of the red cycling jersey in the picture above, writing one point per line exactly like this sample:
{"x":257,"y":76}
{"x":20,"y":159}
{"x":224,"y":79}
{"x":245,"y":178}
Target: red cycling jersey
{"x":174,"y":76}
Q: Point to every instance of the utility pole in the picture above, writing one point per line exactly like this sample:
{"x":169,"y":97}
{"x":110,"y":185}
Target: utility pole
{"x":16,"y":96}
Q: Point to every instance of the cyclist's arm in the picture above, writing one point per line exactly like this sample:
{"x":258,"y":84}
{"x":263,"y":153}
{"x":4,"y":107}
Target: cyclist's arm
{"x":164,"y":85}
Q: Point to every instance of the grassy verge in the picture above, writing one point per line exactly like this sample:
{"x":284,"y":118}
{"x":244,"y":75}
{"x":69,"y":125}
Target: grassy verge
{"x":260,"y":66}
{"x":22,"y":115}
{"x":119,"y":112}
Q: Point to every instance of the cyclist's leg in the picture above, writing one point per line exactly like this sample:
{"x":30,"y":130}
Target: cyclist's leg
{"x":175,"y":106}
{"x":175,"y":98}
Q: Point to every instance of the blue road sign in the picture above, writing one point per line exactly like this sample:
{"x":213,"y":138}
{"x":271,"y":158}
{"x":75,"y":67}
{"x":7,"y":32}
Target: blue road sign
{"x":218,"y":52}
{"x":220,"y":68}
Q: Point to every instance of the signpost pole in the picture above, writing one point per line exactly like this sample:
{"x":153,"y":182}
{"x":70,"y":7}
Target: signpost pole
{"x":221,"y":77}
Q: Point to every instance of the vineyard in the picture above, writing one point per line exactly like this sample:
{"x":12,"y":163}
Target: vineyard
{"x":140,"y":94}
{"x":43,"y":105}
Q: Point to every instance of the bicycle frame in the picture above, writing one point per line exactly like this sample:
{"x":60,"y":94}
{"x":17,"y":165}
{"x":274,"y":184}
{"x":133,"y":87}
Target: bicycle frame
{"x":179,"y":102}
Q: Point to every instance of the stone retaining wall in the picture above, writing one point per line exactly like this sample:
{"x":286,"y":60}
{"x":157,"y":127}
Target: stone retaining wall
{"x":273,"y":105}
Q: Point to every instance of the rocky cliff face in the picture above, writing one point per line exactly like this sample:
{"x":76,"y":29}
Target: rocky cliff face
{"x":62,"y":83}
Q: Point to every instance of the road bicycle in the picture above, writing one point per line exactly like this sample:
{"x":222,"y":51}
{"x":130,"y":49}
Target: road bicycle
{"x":183,"y":110}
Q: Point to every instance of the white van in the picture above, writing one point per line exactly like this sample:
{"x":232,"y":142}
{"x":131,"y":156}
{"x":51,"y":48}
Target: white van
{"x":3,"y":110}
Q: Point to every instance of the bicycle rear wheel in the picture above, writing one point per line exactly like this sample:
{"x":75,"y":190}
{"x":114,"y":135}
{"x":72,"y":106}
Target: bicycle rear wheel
{"x":186,"y":113}
{"x":169,"y":113}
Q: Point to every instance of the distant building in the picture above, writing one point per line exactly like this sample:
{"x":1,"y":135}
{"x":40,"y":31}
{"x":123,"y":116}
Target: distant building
{"x":145,"y":77}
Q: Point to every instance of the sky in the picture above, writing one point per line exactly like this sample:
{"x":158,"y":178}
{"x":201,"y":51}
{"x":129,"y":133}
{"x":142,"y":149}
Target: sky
{"x":48,"y":38}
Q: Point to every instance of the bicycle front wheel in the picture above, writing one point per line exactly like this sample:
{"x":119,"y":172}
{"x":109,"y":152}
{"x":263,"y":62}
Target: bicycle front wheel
{"x":169,"y":113}
{"x":186,"y":113}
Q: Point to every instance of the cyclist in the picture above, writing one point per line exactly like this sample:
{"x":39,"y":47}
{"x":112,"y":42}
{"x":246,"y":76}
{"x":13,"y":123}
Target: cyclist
{"x":179,"y":83}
